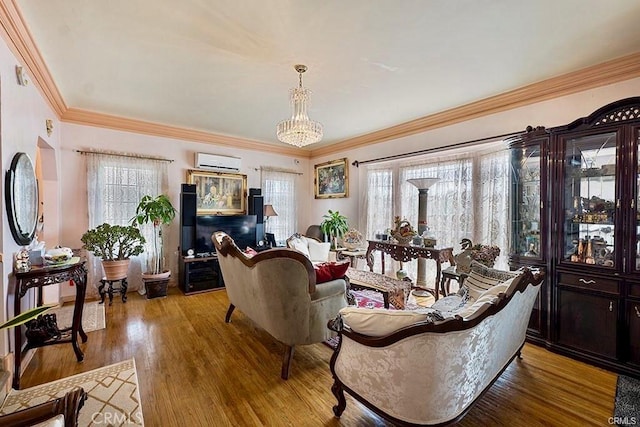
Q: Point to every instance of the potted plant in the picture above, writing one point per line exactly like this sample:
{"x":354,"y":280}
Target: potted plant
{"x":115,"y":244}
{"x":334,"y":225}
{"x":157,"y":211}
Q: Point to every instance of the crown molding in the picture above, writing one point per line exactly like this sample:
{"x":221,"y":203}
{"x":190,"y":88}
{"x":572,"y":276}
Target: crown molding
{"x":21,"y":43}
{"x":90,"y":118}
{"x":616,"y":70}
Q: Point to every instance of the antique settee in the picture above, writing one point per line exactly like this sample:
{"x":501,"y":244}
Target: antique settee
{"x":277,"y":290}
{"x":60,"y":412}
{"x":428,"y":367}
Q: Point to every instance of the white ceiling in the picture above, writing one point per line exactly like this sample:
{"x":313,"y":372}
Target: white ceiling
{"x":226,"y":66}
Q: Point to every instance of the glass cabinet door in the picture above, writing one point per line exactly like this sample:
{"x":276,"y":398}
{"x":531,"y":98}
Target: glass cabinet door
{"x":526,"y":181}
{"x":636,"y":263}
{"x":590,"y":200}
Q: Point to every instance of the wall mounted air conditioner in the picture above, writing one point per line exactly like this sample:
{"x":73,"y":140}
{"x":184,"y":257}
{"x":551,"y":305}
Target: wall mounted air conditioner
{"x":215,"y":162}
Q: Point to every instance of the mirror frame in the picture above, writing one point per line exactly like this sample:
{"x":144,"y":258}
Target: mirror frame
{"x":21,"y":237}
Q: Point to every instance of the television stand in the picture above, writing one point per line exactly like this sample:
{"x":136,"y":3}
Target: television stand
{"x":200,"y":274}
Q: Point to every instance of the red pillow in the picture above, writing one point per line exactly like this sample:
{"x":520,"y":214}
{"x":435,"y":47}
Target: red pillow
{"x":250,"y":252}
{"x":328,"y":271}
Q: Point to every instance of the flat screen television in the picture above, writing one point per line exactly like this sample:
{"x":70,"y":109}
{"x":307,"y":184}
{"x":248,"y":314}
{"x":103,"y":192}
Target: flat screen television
{"x":241,"y":228}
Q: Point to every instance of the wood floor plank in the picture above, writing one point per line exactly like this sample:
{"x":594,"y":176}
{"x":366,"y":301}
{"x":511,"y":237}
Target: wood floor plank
{"x":196,"y":370}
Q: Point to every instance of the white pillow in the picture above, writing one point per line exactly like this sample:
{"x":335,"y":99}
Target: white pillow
{"x":318,"y":252}
{"x":489,"y":296}
{"x":300,"y":245}
{"x":378,"y":322}
{"x":482,"y":278}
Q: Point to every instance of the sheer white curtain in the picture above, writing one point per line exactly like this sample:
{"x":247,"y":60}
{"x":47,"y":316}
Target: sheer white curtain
{"x":115,"y":185}
{"x":378,"y":220}
{"x":494,"y":227}
{"x":280,"y":189}
{"x":470,"y":199}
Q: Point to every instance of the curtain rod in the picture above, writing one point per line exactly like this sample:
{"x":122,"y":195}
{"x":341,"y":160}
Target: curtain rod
{"x":278,"y":170}
{"x":135,"y":156}
{"x":357,"y":163}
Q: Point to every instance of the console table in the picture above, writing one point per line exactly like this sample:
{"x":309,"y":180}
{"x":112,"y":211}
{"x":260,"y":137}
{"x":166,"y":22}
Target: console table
{"x":405,"y":253}
{"x":38,"y":277}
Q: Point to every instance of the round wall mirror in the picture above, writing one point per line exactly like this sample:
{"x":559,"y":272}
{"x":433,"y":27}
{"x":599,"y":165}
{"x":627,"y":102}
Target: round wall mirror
{"x":21,"y":195}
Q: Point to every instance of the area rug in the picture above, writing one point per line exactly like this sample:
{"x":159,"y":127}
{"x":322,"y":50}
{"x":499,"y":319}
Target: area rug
{"x":92,"y":316}
{"x":627,"y":405}
{"x":113,"y":396}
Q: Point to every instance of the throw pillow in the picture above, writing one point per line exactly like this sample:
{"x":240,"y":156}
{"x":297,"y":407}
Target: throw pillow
{"x":250,"y":252}
{"x":378,"y":322}
{"x":300,"y":245}
{"x":482,"y":278}
{"x":489,"y":296}
{"x":451,"y":303}
{"x":318,"y":251}
{"x":328,"y":271}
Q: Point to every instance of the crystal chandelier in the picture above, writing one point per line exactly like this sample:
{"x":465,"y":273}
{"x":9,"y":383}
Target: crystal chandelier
{"x":299,"y":130}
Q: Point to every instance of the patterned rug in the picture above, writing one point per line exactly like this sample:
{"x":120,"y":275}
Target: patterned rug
{"x":627,"y":406}
{"x":92,"y":316}
{"x":113,"y":396}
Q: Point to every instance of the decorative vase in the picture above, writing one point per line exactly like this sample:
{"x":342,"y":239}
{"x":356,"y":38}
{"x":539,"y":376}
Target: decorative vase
{"x":352,"y":239}
{"x":115,"y":270}
{"x":401,"y":274}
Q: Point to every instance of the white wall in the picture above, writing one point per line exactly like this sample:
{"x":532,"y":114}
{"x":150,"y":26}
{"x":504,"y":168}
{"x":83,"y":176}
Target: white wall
{"x":75,"y":218}
{"x":23,"y":113}
{"x":555,"y":112}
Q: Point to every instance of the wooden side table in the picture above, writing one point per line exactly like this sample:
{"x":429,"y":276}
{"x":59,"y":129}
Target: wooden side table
{"x":353,"y":255}
{"x":407,"y":252}
{"x":38,"y":277}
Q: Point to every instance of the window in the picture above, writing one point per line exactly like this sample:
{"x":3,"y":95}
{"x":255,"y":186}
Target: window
{"x":470,"y":200}
{"x":280,"y":189}
{"x":115,"y":185}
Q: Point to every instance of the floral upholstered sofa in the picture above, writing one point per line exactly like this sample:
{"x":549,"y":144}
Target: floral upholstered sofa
{"x":461,"y":347}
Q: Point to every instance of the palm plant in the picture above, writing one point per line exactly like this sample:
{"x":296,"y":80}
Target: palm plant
{"x":157,"y":211}
{"x":334,"y":225}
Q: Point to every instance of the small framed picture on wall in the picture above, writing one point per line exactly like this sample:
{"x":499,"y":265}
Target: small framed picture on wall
{"x":332,"y":179}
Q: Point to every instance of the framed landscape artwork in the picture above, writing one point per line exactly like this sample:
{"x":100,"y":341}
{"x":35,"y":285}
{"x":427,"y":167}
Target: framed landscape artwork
{"x":332,"y":179}
{"x":219,"y":193}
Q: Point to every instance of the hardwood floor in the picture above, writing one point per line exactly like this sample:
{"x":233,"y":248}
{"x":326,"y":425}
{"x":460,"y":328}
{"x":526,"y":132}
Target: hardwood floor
{"x":195,"y":370}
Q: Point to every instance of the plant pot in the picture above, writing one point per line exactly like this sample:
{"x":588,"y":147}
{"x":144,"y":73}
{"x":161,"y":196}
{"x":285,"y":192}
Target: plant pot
{"x":115,"y":270}
{"x":156,"y":284}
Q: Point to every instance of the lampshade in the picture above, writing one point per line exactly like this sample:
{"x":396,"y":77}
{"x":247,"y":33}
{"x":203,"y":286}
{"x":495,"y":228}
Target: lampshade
{"x":269,"y":211}
{"x":423,"y":183}
{"x":299,"y":130}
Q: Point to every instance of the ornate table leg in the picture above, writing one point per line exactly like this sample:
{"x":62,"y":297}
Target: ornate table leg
{"x":110,"y":292}
{"x":123,"y":289}
{"x":101,"y":291}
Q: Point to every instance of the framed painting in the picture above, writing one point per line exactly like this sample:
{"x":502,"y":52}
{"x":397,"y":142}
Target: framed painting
{"x":332,"y":179}
{"x":219,"y":193}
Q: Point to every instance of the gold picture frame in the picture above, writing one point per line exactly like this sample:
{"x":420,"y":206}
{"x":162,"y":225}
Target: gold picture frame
{"x":219,"y":193}
{"x":331,"y":179}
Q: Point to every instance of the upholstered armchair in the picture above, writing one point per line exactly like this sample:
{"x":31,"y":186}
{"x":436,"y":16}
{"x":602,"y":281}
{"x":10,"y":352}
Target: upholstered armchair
{"x":277,"y":290}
